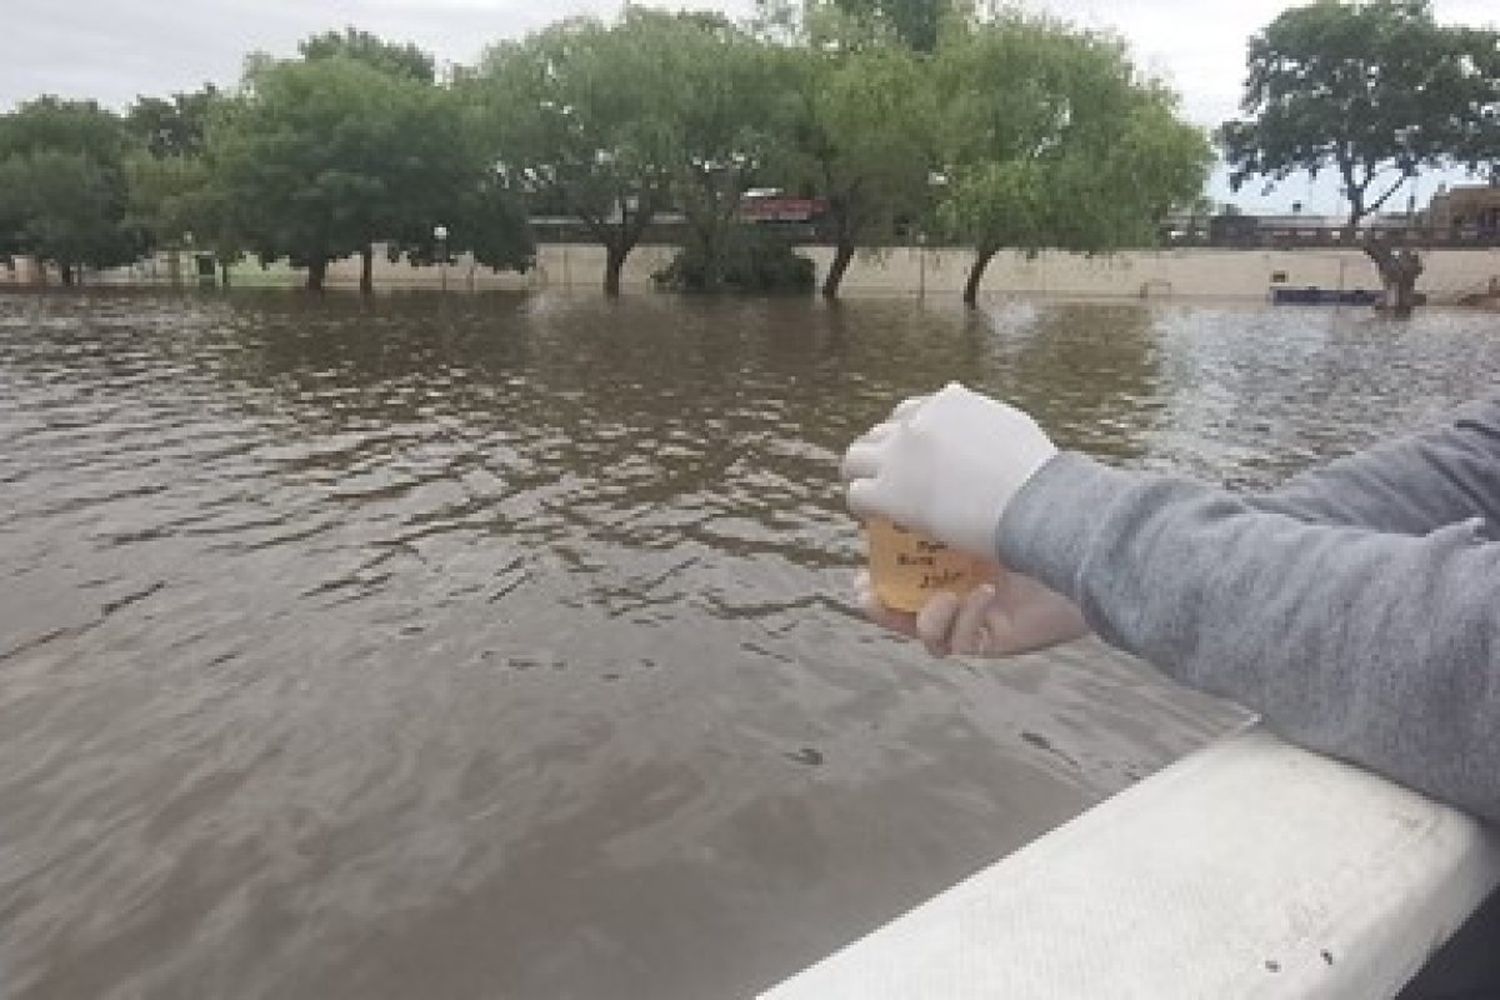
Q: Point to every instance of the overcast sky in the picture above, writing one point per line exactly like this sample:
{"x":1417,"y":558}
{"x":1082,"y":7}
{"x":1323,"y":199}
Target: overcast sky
{"x":115,"y":50}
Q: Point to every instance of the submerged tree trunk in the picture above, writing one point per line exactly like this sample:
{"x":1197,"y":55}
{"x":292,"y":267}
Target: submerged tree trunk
{"x":224,"y":274}
{"x":976,"y":275}
{"x":842,"y":257}
{"x":317,"y":270}
{"x":367,"y":269}
{"x":620,"y":238}
{"x":1399,"y":271}
{"x":614,"y":263}
{"x":65,"y":271}
{"x":713,"y":260}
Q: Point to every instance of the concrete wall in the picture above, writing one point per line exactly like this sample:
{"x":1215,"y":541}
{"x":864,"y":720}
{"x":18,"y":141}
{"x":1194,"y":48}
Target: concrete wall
{"x":19,"y":272}
{"x":1186,"y":273}
{"x":1194,"y":272}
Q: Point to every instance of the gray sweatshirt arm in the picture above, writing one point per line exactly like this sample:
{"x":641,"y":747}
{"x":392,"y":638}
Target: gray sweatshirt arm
{"x":1413,"y":485}
{"x":1381,"y":647}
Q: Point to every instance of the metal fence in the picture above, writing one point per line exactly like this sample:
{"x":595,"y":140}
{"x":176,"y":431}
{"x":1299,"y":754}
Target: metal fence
{"x":1249,"y":236}
{"x":1335,"y":237}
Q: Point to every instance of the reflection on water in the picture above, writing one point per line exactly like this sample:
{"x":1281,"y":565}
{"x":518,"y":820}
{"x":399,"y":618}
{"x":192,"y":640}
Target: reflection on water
{"x":498,"y":646}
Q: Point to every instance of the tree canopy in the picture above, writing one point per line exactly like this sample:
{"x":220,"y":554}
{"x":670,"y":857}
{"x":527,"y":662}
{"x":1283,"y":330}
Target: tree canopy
{"x":861,"y":136}
{"x":176,"y":196}
{"x":175,"y":126}
{"x":336,"y":153}
{"x":392,"y":58}
{"x":63,"y":194}
{"x":1479,"y":147}
{"x":588,"y":113}
{"x":726,"y":129}
{"x":917,"y":23}
{"x":1374,"y":90}
{"x":1051,"y":140}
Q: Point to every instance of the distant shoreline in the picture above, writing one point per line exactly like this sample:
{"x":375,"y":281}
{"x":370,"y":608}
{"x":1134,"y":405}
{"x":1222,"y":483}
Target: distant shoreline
{"x":1183,"y":273}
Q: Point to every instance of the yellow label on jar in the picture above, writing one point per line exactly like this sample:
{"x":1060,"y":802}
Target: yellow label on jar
{"x":907,"y":569}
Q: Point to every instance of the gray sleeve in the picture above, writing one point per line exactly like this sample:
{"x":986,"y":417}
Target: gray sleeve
{"x":1413,"y":485}
{"x":1378,"y":647}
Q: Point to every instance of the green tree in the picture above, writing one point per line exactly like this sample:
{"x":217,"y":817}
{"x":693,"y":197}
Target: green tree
{"x":176,"y":195}
{"x":63,"y":195}
{"x":486,"y":219}
{"x":1375,"y":90}
{"x":589,"y":113}
{"x":174,"y":127}
{"x":917,"y":23}
{"x":1479,"y":148}
{"x":181,"y":202}
{"x":859,"y":134}
{"x":305,"y":149}
{"x":724,"y":120}
{"x":1051,"y":141}
{"x":395,"y":59}
{"x":471,"y":199}
{"x":492,"y":225}
{"x":325,"y":157}
{"x":455,"y":182}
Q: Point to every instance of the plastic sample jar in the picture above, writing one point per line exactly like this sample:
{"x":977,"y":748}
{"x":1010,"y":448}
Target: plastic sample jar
{"x":907,"y":569}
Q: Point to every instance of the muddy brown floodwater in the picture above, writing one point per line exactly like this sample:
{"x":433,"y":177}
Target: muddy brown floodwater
{"x":499,"y":646}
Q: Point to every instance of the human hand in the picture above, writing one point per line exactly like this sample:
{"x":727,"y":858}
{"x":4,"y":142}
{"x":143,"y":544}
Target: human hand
{"x":946,"y":465}
{"x":1008,"y":614}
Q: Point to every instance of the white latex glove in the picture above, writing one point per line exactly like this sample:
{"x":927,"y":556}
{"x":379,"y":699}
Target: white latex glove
{"x":947,"y":466}
{"x":1011,"y":614}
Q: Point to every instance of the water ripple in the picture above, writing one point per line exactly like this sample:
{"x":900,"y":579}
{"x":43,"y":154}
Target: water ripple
{"x":500,"y":645}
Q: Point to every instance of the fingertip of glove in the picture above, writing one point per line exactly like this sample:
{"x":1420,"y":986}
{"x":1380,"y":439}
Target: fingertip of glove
{"x":860,"y":461}
{"x":906,"y":407}
{"x":859,"y":497}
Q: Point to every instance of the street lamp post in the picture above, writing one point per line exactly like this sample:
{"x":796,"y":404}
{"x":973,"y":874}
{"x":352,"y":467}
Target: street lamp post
{"x":922,"y":266}
{"x":440,"y":235}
